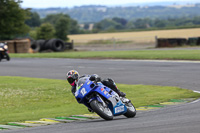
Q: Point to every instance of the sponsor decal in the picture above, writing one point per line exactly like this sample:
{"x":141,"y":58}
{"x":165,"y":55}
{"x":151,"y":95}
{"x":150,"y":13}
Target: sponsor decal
{"x":88,"y":83}
{"x":83,"y":91}
{"x":119,"y":109}
{"x":102,"y":89}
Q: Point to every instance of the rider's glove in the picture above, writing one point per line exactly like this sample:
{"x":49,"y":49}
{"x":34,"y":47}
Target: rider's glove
{"x":111,"y":80}
{"x":95,"y":77}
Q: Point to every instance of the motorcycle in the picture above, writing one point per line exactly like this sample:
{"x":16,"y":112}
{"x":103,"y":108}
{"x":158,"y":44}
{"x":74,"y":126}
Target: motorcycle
{"x":4,"y":52}
{"x":103,"y":100}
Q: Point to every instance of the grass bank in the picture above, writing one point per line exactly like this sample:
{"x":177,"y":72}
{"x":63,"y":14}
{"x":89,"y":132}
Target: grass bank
{"x":24,"y":98}
{"x":136,"y":54}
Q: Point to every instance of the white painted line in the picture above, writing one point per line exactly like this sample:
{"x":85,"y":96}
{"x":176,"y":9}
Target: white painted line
{"x":172,"y":61}
{"x":9,"y":127}
{"x":196,"y":91}
{"x":196,"y":101}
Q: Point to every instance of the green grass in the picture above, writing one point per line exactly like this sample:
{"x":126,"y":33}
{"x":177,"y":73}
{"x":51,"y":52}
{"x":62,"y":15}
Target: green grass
{"x":24,"y":98}
{"x":136,"y":54}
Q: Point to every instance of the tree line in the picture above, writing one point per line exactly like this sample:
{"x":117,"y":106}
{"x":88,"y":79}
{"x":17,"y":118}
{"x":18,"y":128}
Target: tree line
{"x":18,"y":22}
{"x":53,"y":25}
{"x":92,"y":13}
{"x":116,"y":24}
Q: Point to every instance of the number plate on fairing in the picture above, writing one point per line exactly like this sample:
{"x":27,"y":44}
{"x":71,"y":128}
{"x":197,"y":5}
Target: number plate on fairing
{"x":119,"y":109}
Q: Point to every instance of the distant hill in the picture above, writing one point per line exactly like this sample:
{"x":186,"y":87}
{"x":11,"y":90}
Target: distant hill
{"x":96,"y":13}
{"x":163,"y":3}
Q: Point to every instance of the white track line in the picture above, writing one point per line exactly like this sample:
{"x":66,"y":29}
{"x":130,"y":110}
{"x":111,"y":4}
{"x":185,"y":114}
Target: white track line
{"x":175,"y":61}
{"x":197,"y":99}
{"x":196,"y":91}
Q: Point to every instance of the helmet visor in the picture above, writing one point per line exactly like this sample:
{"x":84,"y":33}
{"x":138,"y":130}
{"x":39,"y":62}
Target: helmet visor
{"x":70,"y":80}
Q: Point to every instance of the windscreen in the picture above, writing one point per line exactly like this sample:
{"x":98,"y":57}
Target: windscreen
{"x":81,"y":81}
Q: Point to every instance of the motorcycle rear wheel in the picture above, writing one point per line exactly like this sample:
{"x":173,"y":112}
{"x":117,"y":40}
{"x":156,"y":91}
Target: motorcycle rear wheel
{"x":103,"y":112}
{"x":131,"y":111}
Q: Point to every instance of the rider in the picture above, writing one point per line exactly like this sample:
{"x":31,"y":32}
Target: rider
{"x":73,"y":77}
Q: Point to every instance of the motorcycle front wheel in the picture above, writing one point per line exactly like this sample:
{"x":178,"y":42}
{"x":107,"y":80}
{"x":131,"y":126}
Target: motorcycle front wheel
{"x":102,"y":111}
{"x":7,"y":57}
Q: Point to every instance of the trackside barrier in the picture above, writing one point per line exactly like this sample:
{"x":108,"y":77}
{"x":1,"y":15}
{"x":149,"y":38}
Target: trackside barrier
{"x":174,"y":42}
{"x":18,"y":45}
{"x":55,"y":45}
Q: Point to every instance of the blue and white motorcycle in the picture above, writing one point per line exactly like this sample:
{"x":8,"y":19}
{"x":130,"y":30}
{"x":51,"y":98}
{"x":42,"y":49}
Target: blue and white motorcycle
{"x":103,"y":100}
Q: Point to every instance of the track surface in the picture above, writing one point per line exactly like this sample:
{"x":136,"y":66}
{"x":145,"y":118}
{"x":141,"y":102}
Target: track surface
{"x":179,"y":119}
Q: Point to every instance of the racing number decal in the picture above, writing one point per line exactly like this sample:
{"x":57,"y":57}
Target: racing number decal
{"x":83,"y":91}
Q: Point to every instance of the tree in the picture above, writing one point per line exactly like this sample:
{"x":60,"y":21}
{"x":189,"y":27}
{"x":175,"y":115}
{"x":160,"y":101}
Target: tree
{"x":74,"y":27}
{"x":159,"y":23}
{"x":97,"y":27}
{"x":45,"y":31}
{"x":140,"y":24}
{"x":86,"y":26}
{"x":107,"y":24}
{"x":12,"y":18}
{"x":62,"y":28}
{"x":120,"y":20}
{"x":73,"y":24}
{"x":52,"y":18}
{"x":34,"y":20}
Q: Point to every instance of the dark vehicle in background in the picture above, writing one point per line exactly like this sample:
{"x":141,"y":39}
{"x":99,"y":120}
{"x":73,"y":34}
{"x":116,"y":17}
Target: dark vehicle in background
{"x":4,"y":51}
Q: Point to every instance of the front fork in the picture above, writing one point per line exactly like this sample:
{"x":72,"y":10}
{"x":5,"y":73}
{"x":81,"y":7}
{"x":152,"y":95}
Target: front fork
{"x":98,"y":98}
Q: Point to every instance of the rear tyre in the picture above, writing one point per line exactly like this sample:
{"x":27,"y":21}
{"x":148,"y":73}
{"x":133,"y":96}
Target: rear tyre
{"x":131,"y":111}
{"x":103,"y":112}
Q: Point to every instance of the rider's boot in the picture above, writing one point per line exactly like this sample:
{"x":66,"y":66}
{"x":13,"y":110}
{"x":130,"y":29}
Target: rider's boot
{"x":111,"y":84}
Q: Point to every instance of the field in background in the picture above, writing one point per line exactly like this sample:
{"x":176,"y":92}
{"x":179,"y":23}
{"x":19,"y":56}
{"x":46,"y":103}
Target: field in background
{"x":139,"y":36}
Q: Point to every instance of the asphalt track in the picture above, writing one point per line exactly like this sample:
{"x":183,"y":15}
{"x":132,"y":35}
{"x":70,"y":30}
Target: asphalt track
{"x":183,"y":118}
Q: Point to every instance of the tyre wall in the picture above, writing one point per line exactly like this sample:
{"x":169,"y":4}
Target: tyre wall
{"x":55,"y":45}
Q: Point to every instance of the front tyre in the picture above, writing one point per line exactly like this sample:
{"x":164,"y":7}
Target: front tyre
{"x":7,"y":57}
{"x":131,"y":111}
{"x":103,"y":112}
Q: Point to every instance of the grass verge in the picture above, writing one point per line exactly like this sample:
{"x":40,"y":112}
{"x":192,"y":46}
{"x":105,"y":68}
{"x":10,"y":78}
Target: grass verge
{"x":136,"y":54}
{"x":24,"y":98}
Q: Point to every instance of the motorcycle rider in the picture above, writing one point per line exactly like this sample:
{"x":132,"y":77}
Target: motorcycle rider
{"x":3,"y":51}
{"x":3,"y":46}
{"x":73,"y":77}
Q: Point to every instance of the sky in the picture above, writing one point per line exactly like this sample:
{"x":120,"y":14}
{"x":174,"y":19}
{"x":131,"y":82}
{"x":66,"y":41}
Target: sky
{"x":72,"y":3}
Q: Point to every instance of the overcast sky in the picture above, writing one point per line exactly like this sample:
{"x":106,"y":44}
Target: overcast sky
{"x":72,"y":3}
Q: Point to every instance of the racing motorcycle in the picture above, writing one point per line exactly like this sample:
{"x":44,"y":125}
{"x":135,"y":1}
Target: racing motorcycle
{"x":103,"y":100}
{"x":4,"y":52}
